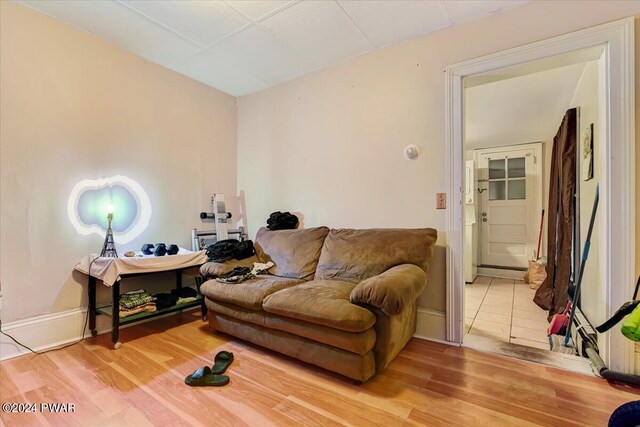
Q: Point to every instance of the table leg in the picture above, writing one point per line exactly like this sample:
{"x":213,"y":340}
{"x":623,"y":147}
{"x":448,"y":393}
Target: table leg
{"x":178,"y":279}
{"x":92,"y":306}
{"x":115,"y":328}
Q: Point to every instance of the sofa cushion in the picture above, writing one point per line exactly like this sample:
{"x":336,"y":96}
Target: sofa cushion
{"x":324,"y":302}
{"x":247,"y":294}
{"x":355,"y":342}
{"x":356,"y":255}
{"x":295,"y":253}
{"x":212,"y":269}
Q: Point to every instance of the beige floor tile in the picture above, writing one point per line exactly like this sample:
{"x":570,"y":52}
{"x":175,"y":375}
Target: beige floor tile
{"x":488,"y":334}
{"x":476,"y":292}
{"x":523,"y":297}
{"x":470,"y":313}
{"x":539,"y":315}
{"x":529,"y":323}
{"x":500,"y":281}
{"x":467,"y":324}
{"x":493,"y":327}
{"x":525,"y":305}
{"x":497,"y":309}
{"x":472,"y":303}
{"x":521,"y":290}
{"x":502,"y":285}
{"x":529,"y":334}
{"x":475,"y":285}
{"x":499,"y":291}
{"x":498,"y":299}
{"x":482,"y":280}
{"x":503,"y":319}
{"x":529,"y":343}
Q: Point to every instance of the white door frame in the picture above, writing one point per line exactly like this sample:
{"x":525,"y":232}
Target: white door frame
{"x":617,"y":186}
{"x":539,"y":182}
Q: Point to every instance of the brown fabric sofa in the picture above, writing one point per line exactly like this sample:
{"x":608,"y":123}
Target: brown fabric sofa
{"x":343,"y":299}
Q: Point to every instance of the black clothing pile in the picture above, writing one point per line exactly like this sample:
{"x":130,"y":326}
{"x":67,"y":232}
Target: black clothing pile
{"x":164,"y":300}
{"x":237,"y":275}
{"x":225,"y":250}
{"x":184,"y":292}
{"x":282,"y":221}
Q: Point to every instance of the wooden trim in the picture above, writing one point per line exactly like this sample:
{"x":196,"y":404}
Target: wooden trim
{"x":617,"y":215}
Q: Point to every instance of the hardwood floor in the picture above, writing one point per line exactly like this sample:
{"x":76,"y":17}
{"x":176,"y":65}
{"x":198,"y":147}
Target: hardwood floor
{"x":429,"y":383}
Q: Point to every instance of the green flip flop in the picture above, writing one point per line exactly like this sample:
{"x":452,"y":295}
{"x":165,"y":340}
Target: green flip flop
{"x":221,"y":362}
{"x":203,"y":377}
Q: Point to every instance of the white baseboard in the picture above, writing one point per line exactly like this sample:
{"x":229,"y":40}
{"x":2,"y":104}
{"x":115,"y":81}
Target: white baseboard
{"x":431,"y":325}
{"x":52,"y":330}
{"x":55,"y":329}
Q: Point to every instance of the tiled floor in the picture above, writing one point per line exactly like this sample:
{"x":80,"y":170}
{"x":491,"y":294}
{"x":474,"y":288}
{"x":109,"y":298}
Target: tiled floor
{"x":503,"y":309}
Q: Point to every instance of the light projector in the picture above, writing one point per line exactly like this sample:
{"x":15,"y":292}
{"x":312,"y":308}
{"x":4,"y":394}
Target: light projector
{"x":91,"y":199}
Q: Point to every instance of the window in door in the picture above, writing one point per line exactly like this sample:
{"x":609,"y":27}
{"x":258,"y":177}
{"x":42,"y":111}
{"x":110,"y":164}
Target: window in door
{"x":507,"y":179}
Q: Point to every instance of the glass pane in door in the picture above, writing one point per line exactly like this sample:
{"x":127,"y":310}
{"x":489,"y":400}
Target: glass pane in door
{"x":496,"y":190}
{"x":516,"y":167}
{"x":496,"y":169}
{"x":517,"y":189}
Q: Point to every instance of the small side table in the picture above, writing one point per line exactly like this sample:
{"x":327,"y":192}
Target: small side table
{"x":112,"y":270}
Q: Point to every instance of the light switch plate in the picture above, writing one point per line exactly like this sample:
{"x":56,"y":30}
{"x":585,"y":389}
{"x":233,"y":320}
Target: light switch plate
{"x":441,"y":200}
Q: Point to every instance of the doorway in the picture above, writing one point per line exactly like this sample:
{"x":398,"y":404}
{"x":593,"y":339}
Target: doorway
{"x":510,"y":199}
{"x":616,"y":158}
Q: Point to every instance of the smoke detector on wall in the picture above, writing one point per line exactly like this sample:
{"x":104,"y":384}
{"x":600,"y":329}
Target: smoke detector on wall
{"x":411,"y":152}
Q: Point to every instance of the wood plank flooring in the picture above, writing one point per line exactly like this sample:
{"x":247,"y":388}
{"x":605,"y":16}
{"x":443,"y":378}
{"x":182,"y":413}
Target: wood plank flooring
{"x":433,"y":384}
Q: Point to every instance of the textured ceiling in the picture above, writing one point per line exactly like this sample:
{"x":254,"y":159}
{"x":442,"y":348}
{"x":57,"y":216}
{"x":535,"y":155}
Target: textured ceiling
{"x":242,"y":46}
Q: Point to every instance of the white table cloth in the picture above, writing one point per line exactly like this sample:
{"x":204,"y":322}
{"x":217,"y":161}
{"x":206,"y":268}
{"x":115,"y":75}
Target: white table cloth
{"x":110,"y":270}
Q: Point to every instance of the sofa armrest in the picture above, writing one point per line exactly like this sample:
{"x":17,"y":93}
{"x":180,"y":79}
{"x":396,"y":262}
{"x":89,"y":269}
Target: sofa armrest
{"x":392,"y":290}
{"x":212,"y":270}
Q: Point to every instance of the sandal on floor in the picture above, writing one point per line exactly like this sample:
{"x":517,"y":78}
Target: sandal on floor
{"x":203,"y":377}
{"x":221,"y":362}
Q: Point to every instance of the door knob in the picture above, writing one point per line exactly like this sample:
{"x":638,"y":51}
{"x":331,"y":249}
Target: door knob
{"x":484,"y":214}
{"x":484,"y":219}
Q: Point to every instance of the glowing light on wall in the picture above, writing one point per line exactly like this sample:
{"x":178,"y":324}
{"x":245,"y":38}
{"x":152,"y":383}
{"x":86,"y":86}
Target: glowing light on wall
{"x":92,"y":199}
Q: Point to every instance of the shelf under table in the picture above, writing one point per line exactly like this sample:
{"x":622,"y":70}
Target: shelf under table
{"x":108,"y":311}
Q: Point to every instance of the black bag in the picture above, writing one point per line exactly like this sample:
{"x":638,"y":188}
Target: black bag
{"x":282,"y":221}
{"x":230,"y":249}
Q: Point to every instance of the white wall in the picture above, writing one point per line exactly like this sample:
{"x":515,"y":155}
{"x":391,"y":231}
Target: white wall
{"x":587,"y":98}
{"x":74,"y":107}
{"x":329,"y":144}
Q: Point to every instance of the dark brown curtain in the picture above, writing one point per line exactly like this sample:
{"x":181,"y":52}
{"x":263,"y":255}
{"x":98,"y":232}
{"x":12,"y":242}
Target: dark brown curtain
{"x":553,"y":293}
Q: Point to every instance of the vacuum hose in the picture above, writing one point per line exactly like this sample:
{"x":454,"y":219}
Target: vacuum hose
{"x":607,"y":373}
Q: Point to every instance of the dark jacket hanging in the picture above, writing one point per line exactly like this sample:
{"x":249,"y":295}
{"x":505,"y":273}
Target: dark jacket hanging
{"x":553,"y":293}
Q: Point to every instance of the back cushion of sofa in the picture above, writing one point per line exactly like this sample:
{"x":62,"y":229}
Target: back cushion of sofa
{"x":359,"y":254}
{"x":295,"y":253}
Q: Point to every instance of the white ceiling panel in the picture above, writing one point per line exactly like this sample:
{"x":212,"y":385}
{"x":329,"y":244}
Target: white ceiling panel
{"x":462,"y":10}
{"x":256,"y":9}
{"x":213,"y":70}
{"x":119,"y":25}
{"x":319,"y":31}
{"x":388,"y":22}
{"x":242,"y":46}
{"x":260,"y":53}
{"x":203,"y":21}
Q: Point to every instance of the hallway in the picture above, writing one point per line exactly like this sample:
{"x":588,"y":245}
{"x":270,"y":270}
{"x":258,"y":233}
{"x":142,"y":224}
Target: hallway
{"x":503,"y":309}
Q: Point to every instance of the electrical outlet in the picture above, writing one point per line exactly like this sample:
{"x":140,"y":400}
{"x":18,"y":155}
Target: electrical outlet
{"x":441,"y":200}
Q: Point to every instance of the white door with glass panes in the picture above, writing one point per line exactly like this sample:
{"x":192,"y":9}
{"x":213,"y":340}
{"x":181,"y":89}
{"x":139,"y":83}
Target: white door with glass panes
{"x":510,"y":185}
